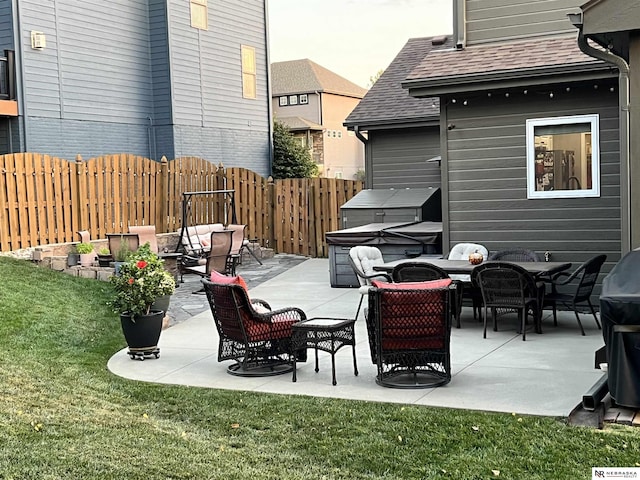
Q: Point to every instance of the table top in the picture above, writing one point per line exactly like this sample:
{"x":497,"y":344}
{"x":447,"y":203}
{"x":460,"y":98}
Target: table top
{"x":323,"y":323}
{"x":464,"y":267}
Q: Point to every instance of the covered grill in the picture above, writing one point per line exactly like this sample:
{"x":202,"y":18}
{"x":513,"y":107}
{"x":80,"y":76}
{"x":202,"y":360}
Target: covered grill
{"x":620,"y":314}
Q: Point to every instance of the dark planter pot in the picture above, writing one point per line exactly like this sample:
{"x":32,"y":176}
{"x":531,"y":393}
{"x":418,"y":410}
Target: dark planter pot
{"x":142,"y":334}
{"x":105,"y":260}
{"x":73,"y":259}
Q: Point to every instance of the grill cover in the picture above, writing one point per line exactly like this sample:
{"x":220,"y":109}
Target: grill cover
{"x":620,"y":314}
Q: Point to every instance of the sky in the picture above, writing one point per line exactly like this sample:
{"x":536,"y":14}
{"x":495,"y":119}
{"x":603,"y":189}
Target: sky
{"x":353,"y":38}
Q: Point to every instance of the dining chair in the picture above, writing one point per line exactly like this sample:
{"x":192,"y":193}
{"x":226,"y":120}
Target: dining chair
{"x":516,"y":255}
{"x":409,"y":332}
{"x":421,"y":272}
{"x":505,"y":288}
{"x":362,"y":259}
{"x":461,"y":251}
{"x":586,"y":276}
{"x":146,"y":234}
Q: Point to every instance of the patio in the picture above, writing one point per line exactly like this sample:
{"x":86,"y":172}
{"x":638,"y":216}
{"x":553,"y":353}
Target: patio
{"x":546,"y":375}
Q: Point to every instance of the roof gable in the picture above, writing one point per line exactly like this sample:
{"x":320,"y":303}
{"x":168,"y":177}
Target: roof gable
{"x":387,"y":102}
{"x":304,"y":76}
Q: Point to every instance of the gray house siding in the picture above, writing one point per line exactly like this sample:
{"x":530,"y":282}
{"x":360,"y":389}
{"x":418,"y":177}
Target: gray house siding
{"x":6,"y":26}
{"x":207,"y":85}
{"x":397,"y":158}
{"x":486,"y":169}
{"x":498,"y":20}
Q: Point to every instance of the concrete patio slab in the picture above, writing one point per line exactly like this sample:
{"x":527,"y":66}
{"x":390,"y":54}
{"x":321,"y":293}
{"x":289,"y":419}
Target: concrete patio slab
{"x":546,"y":375}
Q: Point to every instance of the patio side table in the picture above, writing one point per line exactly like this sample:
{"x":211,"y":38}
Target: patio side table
{"x":326,"y":334}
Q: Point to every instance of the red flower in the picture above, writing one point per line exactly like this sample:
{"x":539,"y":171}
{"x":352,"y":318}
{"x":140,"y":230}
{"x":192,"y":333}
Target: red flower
{"x":131,"y":281}
{"x":141,"y":264}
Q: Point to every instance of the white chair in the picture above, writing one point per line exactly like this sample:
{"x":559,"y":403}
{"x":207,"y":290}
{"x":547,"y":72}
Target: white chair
{"x":461,"y":251}
{"x":362,"y":259}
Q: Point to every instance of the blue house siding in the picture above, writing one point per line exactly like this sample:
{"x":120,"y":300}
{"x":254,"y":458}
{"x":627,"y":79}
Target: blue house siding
{"x":6,"y":26}
{"x":134,"y":76}
{"x":207,"y":85}
{"x":68,"y":138}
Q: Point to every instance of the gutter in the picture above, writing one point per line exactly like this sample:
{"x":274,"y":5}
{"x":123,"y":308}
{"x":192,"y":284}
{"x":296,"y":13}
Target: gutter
{"x":359,"y":135}
{"x":625,"y":149}
{"x":269,"y":89}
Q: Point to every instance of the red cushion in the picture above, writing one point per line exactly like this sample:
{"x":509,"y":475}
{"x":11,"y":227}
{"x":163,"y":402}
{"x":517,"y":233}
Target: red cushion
{"x":441,"y":283}
{"x":217,"y":277}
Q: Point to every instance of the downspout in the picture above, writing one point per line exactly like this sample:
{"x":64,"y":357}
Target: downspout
{"x":269,"y":98}
{"x":20,"y":72}
{"x":368,"y":162}
{"x":625,"y":149}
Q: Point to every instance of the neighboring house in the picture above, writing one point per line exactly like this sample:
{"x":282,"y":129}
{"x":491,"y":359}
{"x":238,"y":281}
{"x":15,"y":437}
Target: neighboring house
{"x":155,"y":78}
{"x":529,"y":132}
{"x":401,"y":133}
{"x":314,"y":102}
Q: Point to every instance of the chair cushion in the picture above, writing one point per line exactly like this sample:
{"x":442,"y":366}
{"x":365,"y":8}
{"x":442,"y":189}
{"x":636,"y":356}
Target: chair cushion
{"x":461,"y":251}
{"x":444,"y":282}
{"x":217,"y":277}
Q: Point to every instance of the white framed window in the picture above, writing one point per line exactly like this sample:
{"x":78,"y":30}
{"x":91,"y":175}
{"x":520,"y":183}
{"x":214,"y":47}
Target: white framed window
{"x":199,"y":14}
{"x":563,"y":157}
{"x":293,"y":99}
{"x":304,"y":99}
{"x":284,"y":101}
{"x":248,"y":58}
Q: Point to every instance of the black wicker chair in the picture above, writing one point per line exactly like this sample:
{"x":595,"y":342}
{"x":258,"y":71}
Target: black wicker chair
{"x":516,"y":255}
{"x":409,"y":334}
{"x":260,"y":343}
{"x":586,"y":275}
{"x":507,"y":288}
{"x":422,"y":272}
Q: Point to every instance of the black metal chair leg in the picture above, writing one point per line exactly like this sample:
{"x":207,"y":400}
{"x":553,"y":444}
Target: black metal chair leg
{"x":359,"y":305}
{"x":593,"y":312}
{"x":579,"y":322}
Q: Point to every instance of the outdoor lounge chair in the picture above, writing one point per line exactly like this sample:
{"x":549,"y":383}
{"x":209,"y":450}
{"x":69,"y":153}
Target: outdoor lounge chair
{"x":256,"y":338}
{"x":362,"y":260}
{"x":505,"y":288}
{"x":587,"y":276}
{"x":461,"y":251}
{"x":409,"y":330}
{"x":219,"y":258}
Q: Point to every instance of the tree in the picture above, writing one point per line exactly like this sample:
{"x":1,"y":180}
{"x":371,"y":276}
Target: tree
{"x":290,"y":158}
{"x":374,"y":78}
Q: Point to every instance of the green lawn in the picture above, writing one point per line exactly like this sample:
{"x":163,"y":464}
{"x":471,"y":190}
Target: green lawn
{"x":64,"y":416}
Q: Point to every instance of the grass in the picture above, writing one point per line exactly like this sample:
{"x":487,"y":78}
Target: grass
{"x":63,"y":415}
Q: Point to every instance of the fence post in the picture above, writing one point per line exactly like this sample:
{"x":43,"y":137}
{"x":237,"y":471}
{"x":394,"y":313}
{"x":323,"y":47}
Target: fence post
{"x":162,"y":194}
{"x":271,"y":214}
{"x":81,"y":213}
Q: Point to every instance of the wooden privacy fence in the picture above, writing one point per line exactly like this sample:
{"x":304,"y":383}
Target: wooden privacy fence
{"x":45,"y":200}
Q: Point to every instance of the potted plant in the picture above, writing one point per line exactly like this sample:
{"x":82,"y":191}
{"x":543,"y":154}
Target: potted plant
{"x":121,"y":255}
{"x":142,"y":281}
{"x":87,"y":255}
{"x":104,"y":257}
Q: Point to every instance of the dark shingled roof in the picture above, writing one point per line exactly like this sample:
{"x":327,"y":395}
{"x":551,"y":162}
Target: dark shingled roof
{"x":305,"y":76}
{"x":387,"y":102}
{"x":510,"y":59}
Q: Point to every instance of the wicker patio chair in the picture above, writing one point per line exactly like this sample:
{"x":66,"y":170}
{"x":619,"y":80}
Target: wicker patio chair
{"x":506,"y":288}
{"x":362,"y":260}
{"x":259,"y":343}
{"x":409,"y":331}
{"x":586,"y":276}
{"x":516,"y":255}
{"x":423,"y":272}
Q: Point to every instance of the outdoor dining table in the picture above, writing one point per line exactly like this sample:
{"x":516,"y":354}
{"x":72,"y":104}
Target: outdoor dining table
{"x":464,"y":267}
